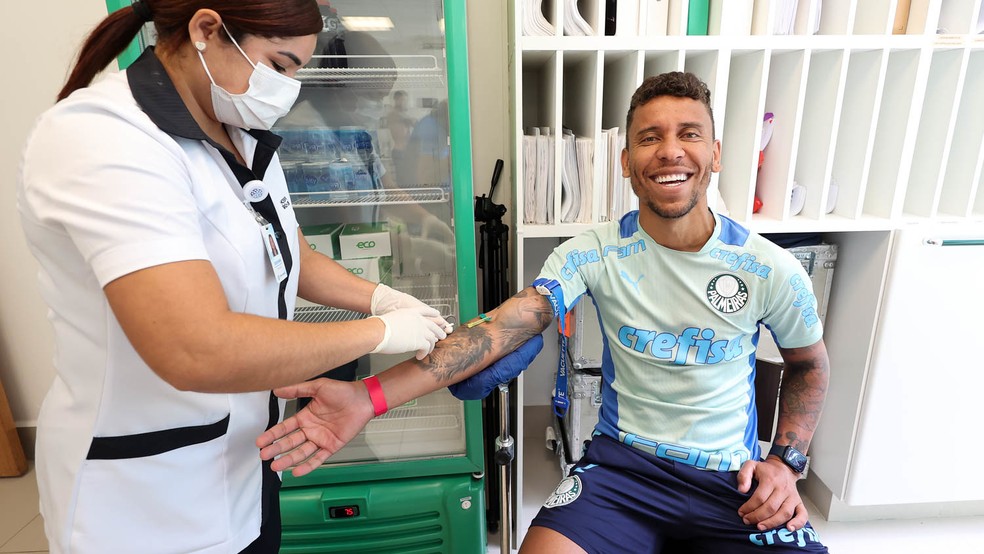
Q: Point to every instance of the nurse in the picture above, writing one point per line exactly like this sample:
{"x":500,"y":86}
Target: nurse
{"x":170,"y":260}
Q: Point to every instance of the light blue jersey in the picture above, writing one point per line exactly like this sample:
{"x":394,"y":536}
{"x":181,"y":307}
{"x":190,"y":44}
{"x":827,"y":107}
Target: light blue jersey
{"x":680,"y":331}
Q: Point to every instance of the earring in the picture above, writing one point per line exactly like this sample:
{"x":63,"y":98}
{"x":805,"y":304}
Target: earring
{"x":200,"y":46}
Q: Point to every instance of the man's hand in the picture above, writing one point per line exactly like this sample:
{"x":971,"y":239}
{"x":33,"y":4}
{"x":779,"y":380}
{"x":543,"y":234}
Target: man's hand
{"x":776,"y":501}
{"x":508,"y":367}
{"x":337,"y":412}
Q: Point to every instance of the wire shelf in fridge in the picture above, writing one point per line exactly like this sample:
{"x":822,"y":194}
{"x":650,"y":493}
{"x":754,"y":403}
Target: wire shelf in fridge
{"x":429,"y":195}
{"x":373,"y":71}
{"x":321,"y":314}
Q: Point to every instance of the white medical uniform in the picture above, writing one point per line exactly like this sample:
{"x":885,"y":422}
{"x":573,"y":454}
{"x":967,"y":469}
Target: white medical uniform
{"x":126,"y":463}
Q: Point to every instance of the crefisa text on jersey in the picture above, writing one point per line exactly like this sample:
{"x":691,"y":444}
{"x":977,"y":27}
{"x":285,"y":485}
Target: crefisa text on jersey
{"x":577,"y":258}
{"x":805,"y":301}
{"x":743,"y":261}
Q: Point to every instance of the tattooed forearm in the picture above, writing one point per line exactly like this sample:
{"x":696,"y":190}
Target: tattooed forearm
{"x":804,"y":388}
{"x":533,"y":305}
{"x":524,"y":315}
{"x":461,"y":350}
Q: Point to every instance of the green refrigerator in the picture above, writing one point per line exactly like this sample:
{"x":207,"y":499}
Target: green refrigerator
{"x":377,"y":154}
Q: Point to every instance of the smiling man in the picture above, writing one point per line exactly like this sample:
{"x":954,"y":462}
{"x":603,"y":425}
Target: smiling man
{"x":680,"y":293}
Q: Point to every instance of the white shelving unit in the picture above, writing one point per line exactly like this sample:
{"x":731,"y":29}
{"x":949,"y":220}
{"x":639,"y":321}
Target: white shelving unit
{"x":887,"y":128}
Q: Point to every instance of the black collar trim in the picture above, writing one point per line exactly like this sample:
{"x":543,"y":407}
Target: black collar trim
{"x":155,"y":93}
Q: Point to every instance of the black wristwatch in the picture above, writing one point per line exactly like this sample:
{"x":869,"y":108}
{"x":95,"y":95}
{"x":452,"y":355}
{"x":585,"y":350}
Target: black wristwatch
{"x":793,"y":458}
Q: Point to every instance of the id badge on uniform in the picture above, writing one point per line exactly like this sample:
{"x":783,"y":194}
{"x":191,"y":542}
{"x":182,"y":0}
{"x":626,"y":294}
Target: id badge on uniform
{"x":273,"y":251}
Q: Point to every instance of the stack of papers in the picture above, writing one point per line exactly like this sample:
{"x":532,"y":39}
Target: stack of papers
{"x":730,"y":17}
{"x":576,"y":178}
{"x":618,"y":198}
{"x":538,"y":176}
{"x":570,"y":182}
{"x":653,"y":16}
{"x":584,"y":148}
{"x":785,"y":17}
{"x":574,"y":24}
{"x":639,"y":17}
{"x":534,"y":24}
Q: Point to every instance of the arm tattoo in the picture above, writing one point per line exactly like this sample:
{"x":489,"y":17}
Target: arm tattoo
{"x":801,"y":398}
{"x":514,"y":322}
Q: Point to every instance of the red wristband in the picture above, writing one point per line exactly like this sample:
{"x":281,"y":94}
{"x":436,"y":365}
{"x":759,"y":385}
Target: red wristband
{"x":376,"y":395}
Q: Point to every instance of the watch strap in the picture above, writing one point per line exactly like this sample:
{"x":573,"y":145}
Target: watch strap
{"x":785,"y":452}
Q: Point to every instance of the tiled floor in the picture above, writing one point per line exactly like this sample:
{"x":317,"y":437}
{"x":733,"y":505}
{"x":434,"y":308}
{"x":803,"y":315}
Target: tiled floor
{"x":21,"y":527}
{"x":22,"y":531}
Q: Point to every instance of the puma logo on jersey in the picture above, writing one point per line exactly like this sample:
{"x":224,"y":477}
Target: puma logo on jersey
{"x":635,"y":284}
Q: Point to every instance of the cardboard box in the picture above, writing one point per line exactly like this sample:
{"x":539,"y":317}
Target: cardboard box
{"x":377,"y":270}
{"x":323,"y":238}
{"x":364,"y":240}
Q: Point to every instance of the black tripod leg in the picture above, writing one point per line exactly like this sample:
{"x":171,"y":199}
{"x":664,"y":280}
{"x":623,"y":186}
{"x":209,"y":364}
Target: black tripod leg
{"x":490,"y":408}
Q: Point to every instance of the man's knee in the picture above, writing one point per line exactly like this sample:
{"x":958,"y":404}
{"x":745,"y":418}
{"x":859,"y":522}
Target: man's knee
{"x":543,"y":539}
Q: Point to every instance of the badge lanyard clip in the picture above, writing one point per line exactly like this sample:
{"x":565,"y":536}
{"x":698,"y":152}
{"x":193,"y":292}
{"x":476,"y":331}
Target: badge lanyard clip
{"x":255,"y":191}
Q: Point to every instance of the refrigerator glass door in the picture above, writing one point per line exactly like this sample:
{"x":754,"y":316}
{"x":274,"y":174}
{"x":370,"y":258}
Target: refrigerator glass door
{"x":366,"y":154}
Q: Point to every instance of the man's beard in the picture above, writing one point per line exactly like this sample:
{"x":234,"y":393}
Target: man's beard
{"x":672,"y":214}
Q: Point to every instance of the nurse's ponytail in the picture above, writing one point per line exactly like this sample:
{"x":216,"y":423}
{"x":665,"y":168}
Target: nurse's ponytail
{"x":267,"y":18}
{"x":103,"y":44}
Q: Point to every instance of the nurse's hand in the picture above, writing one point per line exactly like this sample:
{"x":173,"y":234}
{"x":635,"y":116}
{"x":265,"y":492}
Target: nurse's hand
{"x":386,"y":299}
{"x":337,"y":412}
{"x":408,"y":331}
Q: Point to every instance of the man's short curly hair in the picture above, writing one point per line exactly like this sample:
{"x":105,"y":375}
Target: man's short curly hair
{"x":674,"y":83}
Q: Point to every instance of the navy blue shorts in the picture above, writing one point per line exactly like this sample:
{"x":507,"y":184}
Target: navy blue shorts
{"x":620,"y":499}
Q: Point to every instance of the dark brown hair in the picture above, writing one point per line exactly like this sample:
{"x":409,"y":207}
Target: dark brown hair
{"x":265,"y":18}
{"x":674,"y":83}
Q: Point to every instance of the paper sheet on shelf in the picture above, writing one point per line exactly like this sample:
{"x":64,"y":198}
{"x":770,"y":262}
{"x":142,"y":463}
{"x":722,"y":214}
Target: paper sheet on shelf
{"x":584,"y":147}
{"x":529,"y":178}
{"x":785,"y":17}
{"x":627,"y":17}
{"x":570,"y":194}
{"x":544,"y":185}
{"x":616,"y":183}
{"x":653,"y":16}
{"x":534,"y":23}
{"x":730,"y":17}
{"x":574,"y":23}
{"x":814,"y":23}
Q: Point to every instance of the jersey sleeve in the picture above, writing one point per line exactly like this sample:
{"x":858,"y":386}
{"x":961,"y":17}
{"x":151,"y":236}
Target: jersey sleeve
{"x":570,"y":268}
{"x":792,"y":316}
{"x":116,"y":188}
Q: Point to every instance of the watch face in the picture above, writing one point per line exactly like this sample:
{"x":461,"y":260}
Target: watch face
{"x":794,"y":459}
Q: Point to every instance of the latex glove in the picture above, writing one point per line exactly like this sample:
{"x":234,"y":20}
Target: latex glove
{"x":387,"y":299}
{"x":408,"y":331}
{"x":506,"y":369}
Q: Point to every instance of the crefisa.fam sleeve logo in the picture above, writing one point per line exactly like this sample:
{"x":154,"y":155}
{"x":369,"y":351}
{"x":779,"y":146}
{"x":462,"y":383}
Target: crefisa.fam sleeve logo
{"x":727,"y":293}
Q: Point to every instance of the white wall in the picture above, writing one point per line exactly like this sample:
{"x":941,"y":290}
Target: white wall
{"x":40,"y":41}
{"x":39,"y":48}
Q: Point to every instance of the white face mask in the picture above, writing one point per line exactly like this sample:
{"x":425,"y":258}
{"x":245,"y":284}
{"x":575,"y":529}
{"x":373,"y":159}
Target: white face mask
{"x":269,"y":97}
